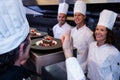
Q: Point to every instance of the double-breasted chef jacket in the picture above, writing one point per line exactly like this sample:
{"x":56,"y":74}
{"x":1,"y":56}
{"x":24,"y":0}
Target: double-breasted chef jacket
{"x":82,"y":37}
{"x":101,"y":60}
{"x":59,"y":31}
{"x":103,"y":64}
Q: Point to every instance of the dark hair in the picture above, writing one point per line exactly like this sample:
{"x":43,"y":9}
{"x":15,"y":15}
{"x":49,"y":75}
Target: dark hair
{"x":109,"y":37}
{"x":8,"y":59}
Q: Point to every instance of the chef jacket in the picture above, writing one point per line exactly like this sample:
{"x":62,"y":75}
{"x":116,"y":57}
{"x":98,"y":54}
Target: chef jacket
{"x":82,"y":37}
{"x":100,"y":61}
{"x":59,"y":31}
{"x":74,"y":71}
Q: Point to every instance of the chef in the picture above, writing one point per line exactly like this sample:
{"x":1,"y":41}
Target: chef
{"x":103,"y":57}
{"x":14,"y":40}
{"x":81,"y":34}
{"x":62,"y":26}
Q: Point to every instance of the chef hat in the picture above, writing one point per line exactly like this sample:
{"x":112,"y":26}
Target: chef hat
{"x":80,"y":6}
{"x":63,"y":8}
{"x":107,"y":18}
{"x":14,"y":27}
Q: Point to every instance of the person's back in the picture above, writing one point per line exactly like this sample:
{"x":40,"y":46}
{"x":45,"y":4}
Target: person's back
{"x":15,"y":40}
{"x":14,"y":73}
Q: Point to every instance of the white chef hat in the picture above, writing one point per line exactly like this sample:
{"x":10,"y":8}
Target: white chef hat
{"x":80,"y":6}
{"x":63,"y":8}
{"x":14,"y":27}
{"x":107,"y":18}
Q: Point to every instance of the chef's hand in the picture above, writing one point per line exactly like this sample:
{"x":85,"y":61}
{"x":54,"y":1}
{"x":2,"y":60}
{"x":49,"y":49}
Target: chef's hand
{"x":67,"y":44}
{"x":23,"y":53}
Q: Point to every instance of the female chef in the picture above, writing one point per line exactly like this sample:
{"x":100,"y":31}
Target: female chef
{"x":81,"y":34}
{"x":102,"y":57}
{"x":102,"y":53}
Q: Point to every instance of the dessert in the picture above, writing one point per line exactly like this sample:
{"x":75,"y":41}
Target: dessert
{"x":33,"y":32}
{"x":47,"y":41}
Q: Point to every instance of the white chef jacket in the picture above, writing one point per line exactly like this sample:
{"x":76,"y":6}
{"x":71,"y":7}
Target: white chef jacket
{"x":74,"y":71}
{"x":82,"y":37}
{"x":100,"y":61}
{"x":59,"y":31}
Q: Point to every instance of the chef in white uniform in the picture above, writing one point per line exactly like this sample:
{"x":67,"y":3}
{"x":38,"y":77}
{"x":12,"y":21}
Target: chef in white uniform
{"x":62,"y":26}
{"x":103,"y":58}
{"x":74,"y":70}
{"x":15,"y":41}
{"x":81,"y":34}
{"x":102,"y":54}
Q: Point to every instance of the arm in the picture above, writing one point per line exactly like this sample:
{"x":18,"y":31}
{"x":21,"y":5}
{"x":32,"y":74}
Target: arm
{"x":115,"y":65}
{"x":74,"y":71}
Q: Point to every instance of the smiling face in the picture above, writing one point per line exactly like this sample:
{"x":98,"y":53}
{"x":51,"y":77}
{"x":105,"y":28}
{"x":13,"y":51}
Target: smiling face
{"x":61,"y":18}
{"x":100,"y":34}
{"x":79,"y":18}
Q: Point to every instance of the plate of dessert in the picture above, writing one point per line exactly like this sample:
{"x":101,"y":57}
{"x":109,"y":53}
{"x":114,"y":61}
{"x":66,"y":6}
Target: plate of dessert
{"x":34,"y":33}
{"x":46,"y":43}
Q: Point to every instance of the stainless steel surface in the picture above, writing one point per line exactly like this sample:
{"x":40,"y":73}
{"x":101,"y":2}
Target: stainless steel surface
{"x":41,"y":59}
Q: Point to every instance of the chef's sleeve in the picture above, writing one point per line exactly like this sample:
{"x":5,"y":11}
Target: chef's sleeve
{"x":115,"y":65}
{"x":74,"y":71}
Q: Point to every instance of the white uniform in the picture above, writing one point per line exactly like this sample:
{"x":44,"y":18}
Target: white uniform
{"x":59,"y":31}
{"x":14,"y":26}
{"x":82,"y":37}
{"x":100,"y":61}
{"x":74,"y":71}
